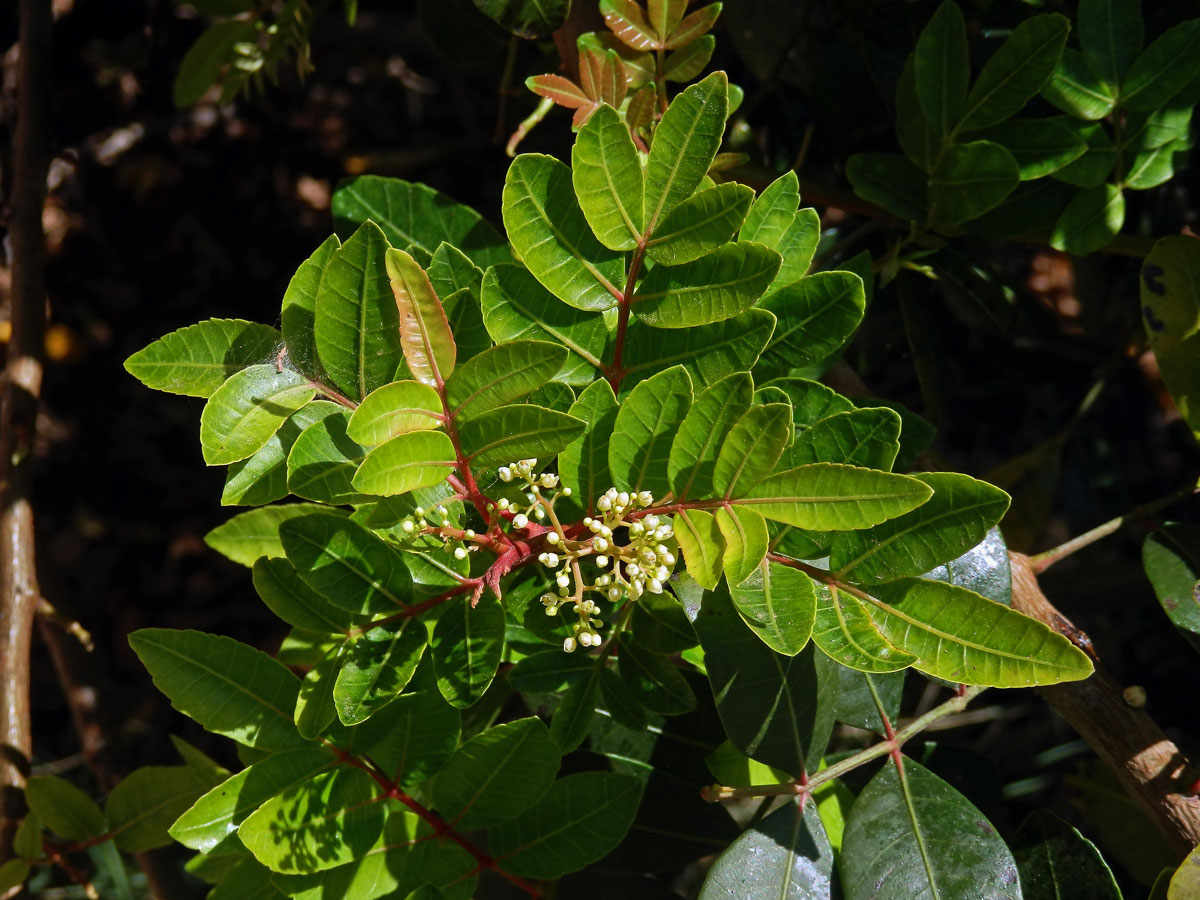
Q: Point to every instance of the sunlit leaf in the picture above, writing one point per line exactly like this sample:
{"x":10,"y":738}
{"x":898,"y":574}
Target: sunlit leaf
{"x":816,"y":317}
{"x":143,"y":805}
{"x":518,"y":431}
{"x":405,"y":463}
{"x":250,"y":535}
{"x":702,"y":546}
{"x":700,"y":224}
{"x":708,"y":352}
{"x":1091,"y":220}
{"x":709,"y":289}
{"x":698,"y":440}
{"x":467,"y":644}
{"x":425,"y":334}
{"x":778,"y":604}
{"x":244,"y":412}
{"x":1075,"y":89}
{"x":503,"y":374}
{"x":644,"y":429}
{"x":751,"y":448}
{"x":843,"y":630}
{"x":607,"y":176}
{"x":830,"y":496}
{"x":583,"y":464}
{"x":394,"y":409}
{"x":1162,"y":69}
{"x":377,"y":667}
{"x":323,"y":461}
{"x":197,"y":360}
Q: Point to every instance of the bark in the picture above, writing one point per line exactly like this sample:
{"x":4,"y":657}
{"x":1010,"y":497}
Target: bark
{"x":1127,"y":740}
{"x":22,"y":384}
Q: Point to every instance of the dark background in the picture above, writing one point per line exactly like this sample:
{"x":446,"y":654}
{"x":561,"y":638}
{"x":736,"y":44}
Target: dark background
{"x":161,"y":217}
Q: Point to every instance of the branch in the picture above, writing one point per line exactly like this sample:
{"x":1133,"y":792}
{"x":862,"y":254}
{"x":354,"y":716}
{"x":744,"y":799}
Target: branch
{"x":19,"y":590}
{"x":1130,"y":743}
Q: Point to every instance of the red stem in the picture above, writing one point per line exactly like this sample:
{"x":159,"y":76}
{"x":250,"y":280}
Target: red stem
{"x":616,"y":371}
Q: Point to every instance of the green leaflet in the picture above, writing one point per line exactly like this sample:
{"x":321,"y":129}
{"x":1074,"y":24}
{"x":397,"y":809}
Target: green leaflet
{"x":942,"y":69}
{"x":579,"y":820}
{"x":250,"y":535}
{"x":347,"y":564}
{"x":501,"y":435}
{"x":377,"y":667}
{"x":204,"y":60}
{"x":811,"y":401}
{"x":698,"y":440}
{"x":661,"y":624}
{"x":844,"y":632}
{"x":425,"y":335}
{"x":450,"y":271}
{"x":299,"y":309}
{"x":917,"y":138}
{"x":955,"y":519}
{"x":143,"y":805}
{"x":405,"y":463}
{"x":395,"y":409}
{"x":528,"y":18}
{"x":552,"y":238}
{"x":1016,"y":71}
{"x":573,"y":717}
{"x":503,"y":374}
{"x":315,"y":708}
{"x":607,"y":176}
{"x":816,"y":317}
{"x":320,"y":823}
{"x":262,"y":477}
{"x":1074,"y":88}
{"x":467,"y":645}
{"x":497,"y":775}
{"x":751,"y":448}
{"x":1171,"y":559}
{"x":685,"y":142}
{"x":356,"y":323}
{"x":412,"y":736}
{"x":702,"y":546}
{"x":708,"y":352}
{"x":323,"y":461}
{"x":744,"y":533}
{"x":859,"y":437}
{"x":778,"y":604}
{"x":700,"y":224}
{"x":64,"y":808}
{"x":797,"y":246}
{"x":775,"y":709}
{"x":971,"y":179}
{"x":244,"y":412}
{"x":785,"y":856}
{"x":1110,"y":33}
{"x":583,"y":463}
{"x":890,"y":181}
{"x":830,"y":496}
{"x":1039,"y":146}
{"x":912,"y":835}
{"x":516,"y":307}
{"x":549,"y":671}
{"x":773,"y":211}
{"x":198,"y":359}
{"x":1091,"y":220}
{"x":1163,"y":69}
{"x":653,"y":681}
{"x":963,"y":637}
{"x":710,"y":289}
{"x":644,"y":429}
{"x":1056,"y":861}
{"x":286,"y":595}
{"x":416,"y":214}
{"x":215,"y":816}
{"x":228,"y":687}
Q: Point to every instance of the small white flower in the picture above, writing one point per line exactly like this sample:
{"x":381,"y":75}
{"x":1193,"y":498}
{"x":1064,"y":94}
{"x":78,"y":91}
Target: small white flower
{"x":604,"y":504}
{"x":520,"y":520}
{"x":563,"y":581}
{"x":552,"y":538}
{"x":569,"y":645}
{"x":600,"y":544}
{"x":460,"y":552}
{"x":602,"y":561}
{"x":551,"y":560}
{"x":505,"y":473}
{"x":408,"y":526}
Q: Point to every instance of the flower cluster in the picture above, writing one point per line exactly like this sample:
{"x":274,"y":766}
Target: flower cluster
{"x":535,"y":484}
{"x":643,"y":563}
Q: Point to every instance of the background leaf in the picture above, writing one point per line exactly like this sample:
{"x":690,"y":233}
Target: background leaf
{"x":467,"y":644}
{"x":1016,"y":71}
{"x":1056,"y":862}
{"x":942,"y":68}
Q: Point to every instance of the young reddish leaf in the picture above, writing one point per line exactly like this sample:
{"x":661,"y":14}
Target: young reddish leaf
{"x":640,"y":111}
{"x":627,"y":20}
{"x":602,"y":76}
{"x":665,"y":15}
{"x":695,"y":25}
{"x":424,"y":331}
{"x":561,"y":90}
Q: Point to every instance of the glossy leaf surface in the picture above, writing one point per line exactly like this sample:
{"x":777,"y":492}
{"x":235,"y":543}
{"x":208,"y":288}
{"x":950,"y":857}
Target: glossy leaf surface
{"x":197,"y":360}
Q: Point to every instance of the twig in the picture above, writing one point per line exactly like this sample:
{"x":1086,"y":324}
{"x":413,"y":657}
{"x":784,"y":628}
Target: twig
{"x":19,"y":590}
{"x":1042,"y":561}
{"x":1127,"y":740}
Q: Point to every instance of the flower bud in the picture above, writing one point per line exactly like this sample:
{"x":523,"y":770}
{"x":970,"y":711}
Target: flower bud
{"x":569,"y":645}
{"x":602,"y":561}
{"x":460,"y":552}
{"x":604,"y":504}
{"x":600,"y":544}
{"x":520,"y":520}
{"x":552,"y":538}
{"x":551,"y":559}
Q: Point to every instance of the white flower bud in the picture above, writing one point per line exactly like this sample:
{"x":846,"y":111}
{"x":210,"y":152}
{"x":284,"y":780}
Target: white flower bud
{"x":645,"y":498}
{"x":535,"y":489}
{"x":520,"y":520}
{"x":505,"y":473}
{"x":569,"y":645}
{"x":502,"y":503}
{"x":614,"y":594}
{"x":623,"y":499}
{"x":418,"y":512}
{"x":663,"y":573}
{"x":636,"y":529}
{"x":655,"y":586}
{"x":604,"y":504}
{"x":663,"y":532}
{"x":460,"y":552}
{"x":552,"y":610}
{"x":600,"y":544}
{"x":566,"y":492}
{"x":552,"y":538}
{"x":539,"y":514}
{"x":408,"y":526}
{"x":632,"y":569}
{"x":605,"y":531}
{"x":651,"y":521}
{"x":602,"y":561}
{"x":551,"y":559}
{"x":563,"y":581}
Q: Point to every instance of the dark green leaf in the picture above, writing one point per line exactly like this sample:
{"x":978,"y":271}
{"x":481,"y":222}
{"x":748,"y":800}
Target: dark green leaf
{"x":549,"y":671}
{"x":912,"y":835}
{"x":377,"y":667}
{"x":942,"y":69}
{"x":416,"y":214}
{"x":860,"y":437}
{"x":550,"y":234}
{"x":776,"y":709}
{"x":143,"y":805}
{"x":654,"y":681}
{"x":971,"y":179}
{"x":1040,"y":146}
{"x":578,"y":821}
{"x":573,"y":717}
{"x":64,"y":808}
{"x":517,"y":307}
{"x":889,"y":181}
{"x":501,"y":435}
{"x":816,"y":317}
{"x":286,"y":595}
{"x":1171,"y":558}
{"x":644,"y":429}
{"x":198,"y":359}
{"x":1091,"y":169}
{"x":356,"y":325}
{"x":467,"y":643}
{"x":228,"y":687}
{"x":661,"y":624}
{"x":917,"y":138}
{"x":1076,"y":90}
{"x":1016,"y":71}
{"x":208,"y":56}
{"x":785,"y":856}
{"x":1163,"y":69}
{"x":1056,"y":862}
{"x":347,"y":564}
{"x":708,"y":352}
{"x":699,"y":438}
{"x":323,"y":461}
{"x":411,"y":737}
{"x":526,"y":18}
{"x":1170,"y":308}
{"x":1090,"y":221}
{"x":1110,"y":33}
{"x":710,"y":289}
{"x":583,"y":464}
